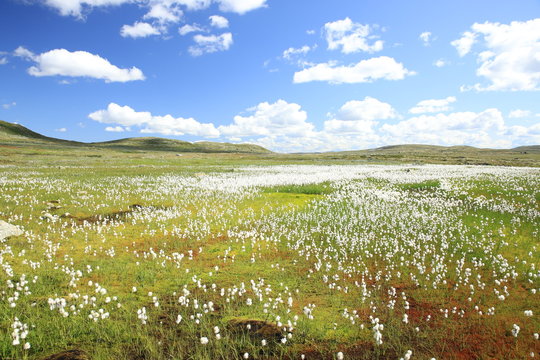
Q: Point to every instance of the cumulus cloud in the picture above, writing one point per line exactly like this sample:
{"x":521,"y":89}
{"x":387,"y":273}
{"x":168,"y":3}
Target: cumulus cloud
{"x":369,"y":70}
{"x":448,"y":129}
{"x":139,"y":29}
{"x":524,"y":135}
{"x":277,"y":119}
{"x":464,"y":44}
{"x":433,"y":105}
{"x":164,"y":12}
{"x":351,"y":37}
{"x":127,"y":117}
{"x":210,"y":44}
{"x":219,"y":22}
{"x":510,"y":59}
{"x":358,"y":116}
{"x":61,"y":62}
{"x":240,"y":6}
{"x":426,"y":38}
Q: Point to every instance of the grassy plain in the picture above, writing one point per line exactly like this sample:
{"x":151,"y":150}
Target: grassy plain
{"x":284,"y":260}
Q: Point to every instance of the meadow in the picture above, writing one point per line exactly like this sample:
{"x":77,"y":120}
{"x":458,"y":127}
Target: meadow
{"x":223,"y":259}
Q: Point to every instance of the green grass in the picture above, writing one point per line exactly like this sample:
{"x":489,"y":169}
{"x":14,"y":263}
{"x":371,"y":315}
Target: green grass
{"x":308,"y":189}
{"x":309,"y":242}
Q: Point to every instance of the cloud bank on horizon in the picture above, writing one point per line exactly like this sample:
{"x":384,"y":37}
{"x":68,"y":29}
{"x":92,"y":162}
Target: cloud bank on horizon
{"x":230,"y":70}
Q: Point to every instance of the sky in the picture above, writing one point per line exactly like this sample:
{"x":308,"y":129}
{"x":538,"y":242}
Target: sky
{"x":290,"y":75}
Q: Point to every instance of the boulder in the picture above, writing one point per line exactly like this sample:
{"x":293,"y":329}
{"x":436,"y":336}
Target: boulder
{"x":7,"y":230}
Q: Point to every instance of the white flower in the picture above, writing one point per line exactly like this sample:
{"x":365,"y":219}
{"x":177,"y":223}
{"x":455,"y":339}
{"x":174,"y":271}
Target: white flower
{"x":204,"y":340}
{"x":26,"y":346}
{"x":246,"y":356}
{"x":515,"y":330}
{"x":340,"y":356}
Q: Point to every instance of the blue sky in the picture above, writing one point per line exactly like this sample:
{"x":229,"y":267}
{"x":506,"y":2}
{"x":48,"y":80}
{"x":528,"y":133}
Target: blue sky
{"x":298,"y":75}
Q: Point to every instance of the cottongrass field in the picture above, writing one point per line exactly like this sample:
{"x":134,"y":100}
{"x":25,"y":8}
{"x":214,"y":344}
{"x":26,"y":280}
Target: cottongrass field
{"x":271,"y":262}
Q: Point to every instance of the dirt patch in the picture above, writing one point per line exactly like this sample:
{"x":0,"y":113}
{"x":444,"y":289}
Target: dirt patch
{"x":255,"y":328}
{"x":112,"y":216}
{"x":74,"y":354}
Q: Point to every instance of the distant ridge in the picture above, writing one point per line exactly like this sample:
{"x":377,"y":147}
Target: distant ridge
{"x":17,"y":134}
{"x":421,"y":148}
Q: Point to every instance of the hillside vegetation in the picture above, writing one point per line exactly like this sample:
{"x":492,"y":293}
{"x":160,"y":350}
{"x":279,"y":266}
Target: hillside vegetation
{"x":15,"y":134}
{"x":16,"y":140}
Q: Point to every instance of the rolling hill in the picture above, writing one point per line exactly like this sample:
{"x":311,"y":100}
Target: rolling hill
{"x":15,"y":134}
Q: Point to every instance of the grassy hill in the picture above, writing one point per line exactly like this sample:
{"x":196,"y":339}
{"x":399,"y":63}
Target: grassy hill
{"x":20,"y":134}
{"x":16,"y":140}
{"x":15,"y":134}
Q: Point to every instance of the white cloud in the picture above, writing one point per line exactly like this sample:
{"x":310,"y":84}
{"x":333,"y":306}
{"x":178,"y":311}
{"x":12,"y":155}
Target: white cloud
{"x":382,"y":67}
{"x":440,"y":63}
{"x":310,"y":32}
{"x":219,"y":21}
{"x":3,"y":60}
{"x":187,"y":29}
{"x":126,"y":117}
{"x":139,"y":29}
{"x":518,"y":113}
{"x":116,"y":129}
{"x":358,"y":116}
{"x":210,"y":44}
{"x":511,"y":59}
{"x":433,"y":105}
{"x":77,"y":7}
{"x":61,"y":129}
{"x":240,"y":6}
{"x":24,"y":53}
{"x":278,"y":119}
{"x":367,"y":109}
{"x":464,"y":44}
{"x":426,"y":38}
{"x":7,"y":106}
{"x":61,"y":62}
{"x":291,"y":52}
{"x":458,"y":128}
{"x":351,"y":37}
{"x":164,"y":12}
{"x":193,"y":4}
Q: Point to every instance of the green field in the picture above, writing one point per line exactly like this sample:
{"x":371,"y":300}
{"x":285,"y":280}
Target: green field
{"x":149,"y":255}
